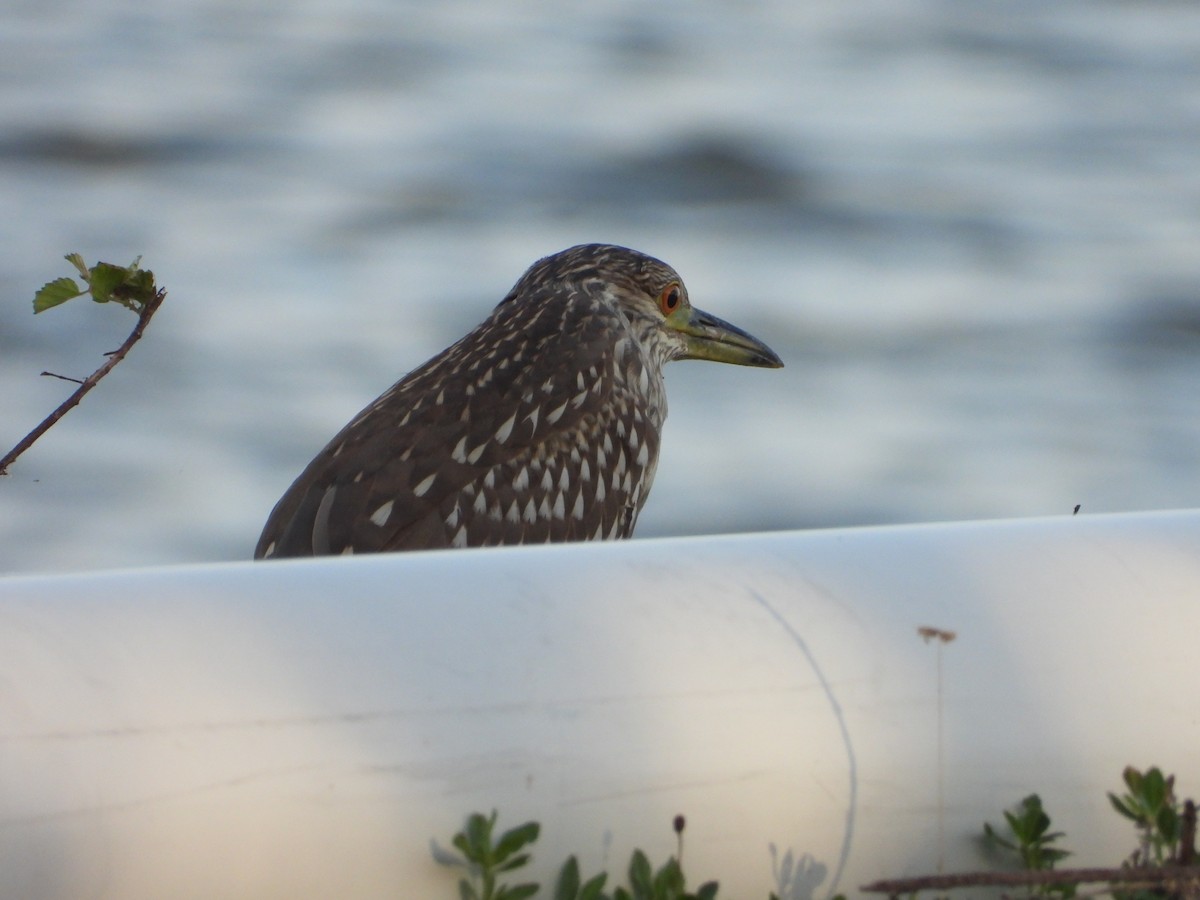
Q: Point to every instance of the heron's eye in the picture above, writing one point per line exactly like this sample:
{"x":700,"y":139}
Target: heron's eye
{"x":670,"y":298}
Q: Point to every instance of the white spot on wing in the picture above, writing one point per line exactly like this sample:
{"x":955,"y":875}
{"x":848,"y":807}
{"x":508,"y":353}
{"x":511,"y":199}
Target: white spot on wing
{"x":320,"y":532}
{"x":505,"y":430}
{"x":380,"y":516}
{"x":555,"y":414}
{"x":458,"y":454}
{"x":424,"y":485}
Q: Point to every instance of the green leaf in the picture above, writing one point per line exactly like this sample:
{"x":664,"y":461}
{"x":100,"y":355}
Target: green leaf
{"x":514,"y":862}
{"x":592,"y":887}
{"x":80,"y":266}
{"x":1037,"y":824}
{"x":994,"y":836}
{"x":641,"y":879}
{"x":516,"y":838}
{"x":136,"y":290}
{"x":517,"y":892}
{"x":707,"y":891}
{"x":54,"y":293}
{"x":568,"y":880}
{"x":1168,"y":824}
{"x":1154,"y":789}
{"x":466,"y":891}
{"x":460,"y":841}
{"x":105,"y":279}
{"x":1133,"y":779}
{"x":1121,"y":805}
{"x":479,"y":835}
{"x":668,"y":881}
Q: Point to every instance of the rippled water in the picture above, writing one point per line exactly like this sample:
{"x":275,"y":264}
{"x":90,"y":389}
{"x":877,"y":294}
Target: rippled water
{"x":970,"y":229}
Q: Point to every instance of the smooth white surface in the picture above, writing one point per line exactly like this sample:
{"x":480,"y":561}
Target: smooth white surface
{"x":316,"y":728}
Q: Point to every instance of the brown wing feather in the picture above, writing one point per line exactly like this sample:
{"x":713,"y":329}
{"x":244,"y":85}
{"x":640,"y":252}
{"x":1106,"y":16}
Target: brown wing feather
{"x":440,"y":458}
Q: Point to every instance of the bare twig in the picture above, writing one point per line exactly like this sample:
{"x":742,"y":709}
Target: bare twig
{"x":64,"y":377}
{"x":147,"y":310}
{"x":1171,"y":876}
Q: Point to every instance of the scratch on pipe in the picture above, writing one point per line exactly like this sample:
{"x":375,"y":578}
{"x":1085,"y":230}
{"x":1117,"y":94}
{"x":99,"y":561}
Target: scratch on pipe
{"x":851,"y":761}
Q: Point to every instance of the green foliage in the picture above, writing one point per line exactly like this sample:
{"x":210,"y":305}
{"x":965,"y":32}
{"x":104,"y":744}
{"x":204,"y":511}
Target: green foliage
{"x":1032,"y":840}
{"x":1031,"y":835}
{"x":1150,"y":804}
{"x":127,"y":285}
{"x":487,"y":857}
{"x":667,"y":883}
{"x":569,"y":888}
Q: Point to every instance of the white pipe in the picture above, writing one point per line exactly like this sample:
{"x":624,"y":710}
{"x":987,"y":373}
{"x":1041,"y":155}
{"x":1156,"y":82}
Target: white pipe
{"x":316,"y":728}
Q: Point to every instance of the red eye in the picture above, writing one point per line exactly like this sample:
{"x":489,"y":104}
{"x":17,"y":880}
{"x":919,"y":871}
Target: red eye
{"x":670,"y":298}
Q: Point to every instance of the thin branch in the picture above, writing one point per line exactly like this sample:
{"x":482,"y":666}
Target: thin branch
{"x":64,"y":377}
{"x":144,"y":314}
{"x":1170,"y":876}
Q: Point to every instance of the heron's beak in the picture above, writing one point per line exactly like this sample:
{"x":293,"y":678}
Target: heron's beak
{"x":710,"y":338}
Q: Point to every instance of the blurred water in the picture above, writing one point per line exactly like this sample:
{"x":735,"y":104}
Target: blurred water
{"x":970,"y":229}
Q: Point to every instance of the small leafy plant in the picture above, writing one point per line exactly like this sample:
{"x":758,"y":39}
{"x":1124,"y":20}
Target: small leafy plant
{"x":1150,"y":804}
{"x":1163,"y":866}
{"x":488,"y":857}
{"x":1032,"y":840}
{"x":127,"y":285}
{"x":667,"y":883}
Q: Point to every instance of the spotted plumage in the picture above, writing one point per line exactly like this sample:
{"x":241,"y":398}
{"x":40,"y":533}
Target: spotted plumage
{"x":540,"y":425}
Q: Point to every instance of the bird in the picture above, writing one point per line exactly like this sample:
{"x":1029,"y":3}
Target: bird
{"x":540,"y":425}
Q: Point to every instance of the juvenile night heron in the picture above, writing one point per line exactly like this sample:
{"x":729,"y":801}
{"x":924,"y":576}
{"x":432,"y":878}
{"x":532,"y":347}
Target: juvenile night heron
{"x":540,"y":425}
